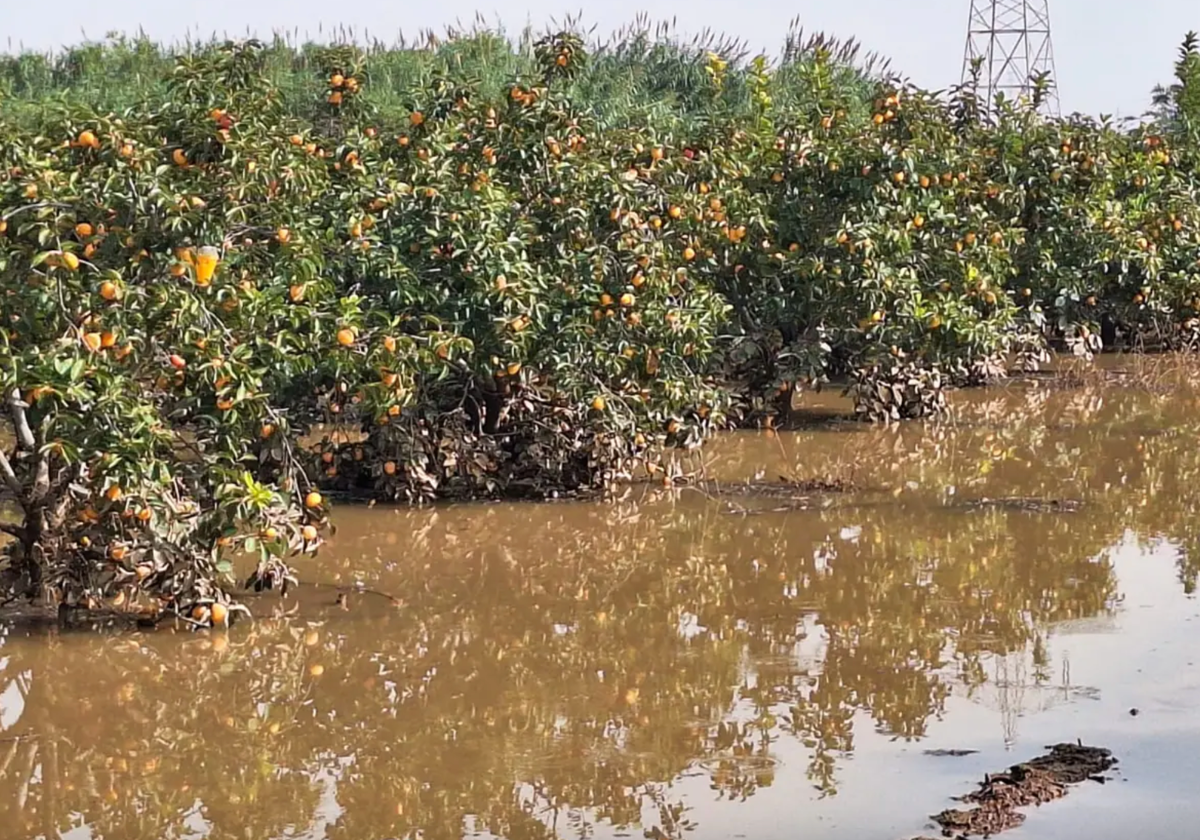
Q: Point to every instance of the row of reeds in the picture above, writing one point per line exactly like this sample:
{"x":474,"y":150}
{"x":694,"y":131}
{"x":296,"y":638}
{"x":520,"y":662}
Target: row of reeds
{"x":643,"y":73}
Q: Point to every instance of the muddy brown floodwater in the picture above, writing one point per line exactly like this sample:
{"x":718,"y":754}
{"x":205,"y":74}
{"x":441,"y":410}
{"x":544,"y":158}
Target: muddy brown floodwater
{"x":691,"y":661}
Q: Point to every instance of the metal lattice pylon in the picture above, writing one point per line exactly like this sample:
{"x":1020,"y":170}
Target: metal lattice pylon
{"x":1012,"y":39}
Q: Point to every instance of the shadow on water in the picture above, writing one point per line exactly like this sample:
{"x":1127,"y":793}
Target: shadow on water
{"x":659,"y":663}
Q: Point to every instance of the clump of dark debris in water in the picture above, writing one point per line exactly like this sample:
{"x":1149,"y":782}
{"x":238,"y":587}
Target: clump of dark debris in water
{"x":1042,"y":779}
{"x":784,"y":495}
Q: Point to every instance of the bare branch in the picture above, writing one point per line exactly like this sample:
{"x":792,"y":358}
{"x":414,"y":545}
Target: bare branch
{"x":41,"y":480}
{"x":20,"y":422}
{"x":10,"y":478}
{"x":40,"y":205}
{"x":12,"y":530}
{"x":66,"y":476}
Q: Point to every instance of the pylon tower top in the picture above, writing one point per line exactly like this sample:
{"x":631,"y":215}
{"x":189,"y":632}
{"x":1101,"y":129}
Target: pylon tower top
{"x":1012,"y":40}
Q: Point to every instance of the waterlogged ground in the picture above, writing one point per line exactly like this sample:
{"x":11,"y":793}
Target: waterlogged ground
{"x":682,"y":662}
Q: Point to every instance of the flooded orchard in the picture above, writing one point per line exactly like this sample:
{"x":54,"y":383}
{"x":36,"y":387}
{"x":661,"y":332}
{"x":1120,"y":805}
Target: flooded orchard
{"x":717,"y":660}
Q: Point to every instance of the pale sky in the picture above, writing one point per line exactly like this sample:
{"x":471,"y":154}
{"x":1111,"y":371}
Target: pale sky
{"x":1109,"y":53}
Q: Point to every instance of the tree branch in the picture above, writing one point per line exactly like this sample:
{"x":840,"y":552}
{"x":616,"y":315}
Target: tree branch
{"x":28,"y":207}
{"x":20,"y":422}
{"x":41,"y":481}
{"x":10,"y":478}
{"x":57,"y":499}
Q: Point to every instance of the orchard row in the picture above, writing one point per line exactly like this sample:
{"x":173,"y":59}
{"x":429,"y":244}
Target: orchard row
{"x":501,"y":296}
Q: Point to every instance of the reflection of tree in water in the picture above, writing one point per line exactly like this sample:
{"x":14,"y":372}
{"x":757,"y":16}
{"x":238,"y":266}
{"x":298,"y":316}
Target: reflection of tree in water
{"x":544,"y":678}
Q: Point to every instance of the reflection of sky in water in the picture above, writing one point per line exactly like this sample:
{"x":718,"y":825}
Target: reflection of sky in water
{"x":11,"y":702}
{"x":1100,"y":668}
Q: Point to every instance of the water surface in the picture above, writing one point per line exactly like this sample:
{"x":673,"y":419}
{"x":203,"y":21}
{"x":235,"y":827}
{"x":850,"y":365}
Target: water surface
{"x":685,"y":661}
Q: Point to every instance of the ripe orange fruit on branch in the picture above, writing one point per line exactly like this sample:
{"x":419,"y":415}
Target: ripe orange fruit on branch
{"x":309,"y":533}
{"x":108,"y":290}
{"x":598,"y":404}
{"x":83,"y":230}
{"x":88,"y":139}
{"x":177,"y":361}
{"x":345,"y":337}
{"x":337,"y":80}
{"x":220,"y":614}
{"x":389,"y":467}
{"x":92,"y":341}
{"x":689,"y":253}
{"x":313,"y":500}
